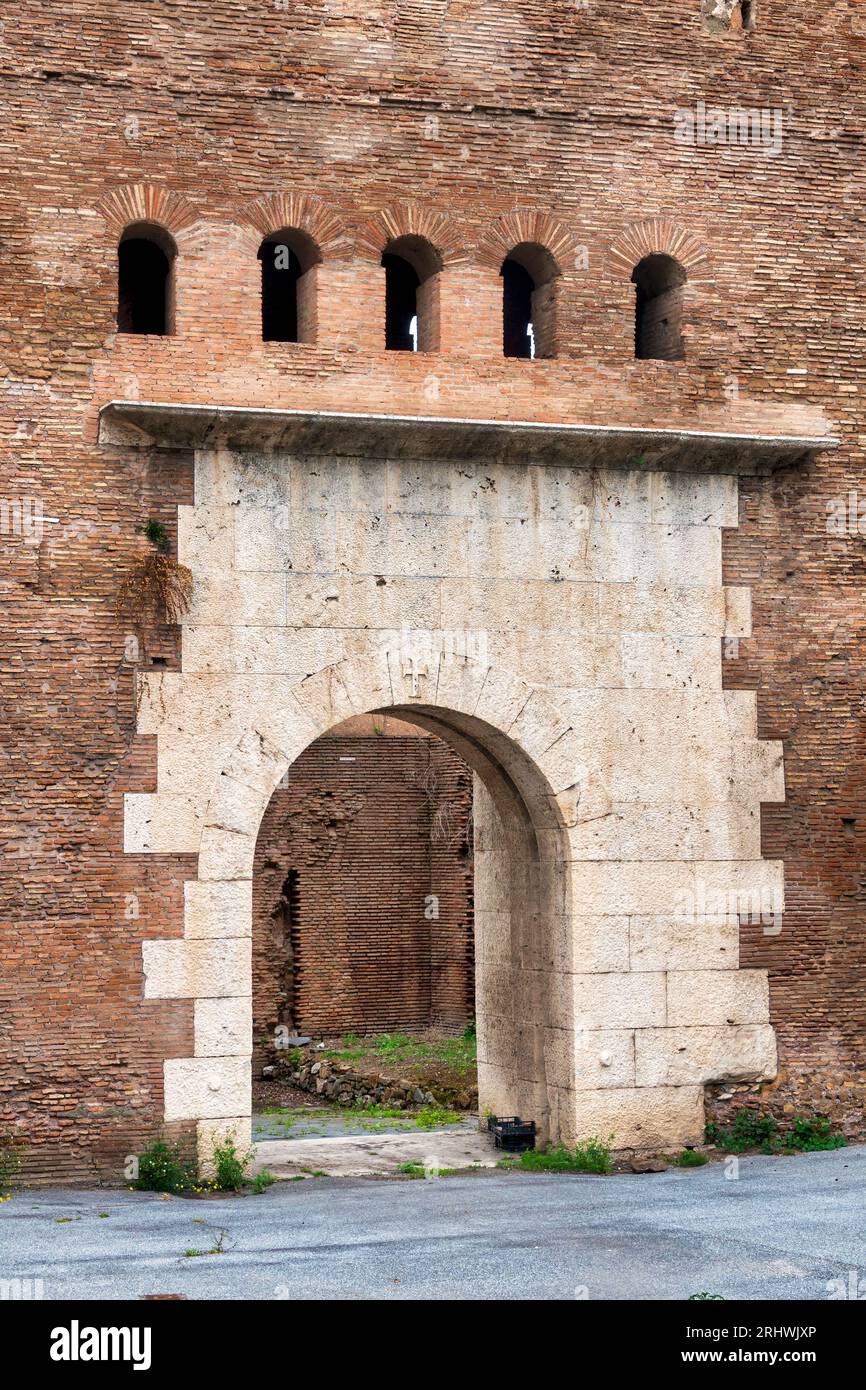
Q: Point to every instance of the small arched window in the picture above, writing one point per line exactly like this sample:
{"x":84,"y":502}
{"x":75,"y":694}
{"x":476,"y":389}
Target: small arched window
{"x":412,"y":267}
{"x":528,"y":301}
{"x":288,"y":289}
{"x":658,"y":323}
{"x":145,"y":280}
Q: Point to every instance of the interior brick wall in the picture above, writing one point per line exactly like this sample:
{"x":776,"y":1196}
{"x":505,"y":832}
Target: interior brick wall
{"x":662,"y":325}
{"x":477,"y":112}
{"x":373,"y":826}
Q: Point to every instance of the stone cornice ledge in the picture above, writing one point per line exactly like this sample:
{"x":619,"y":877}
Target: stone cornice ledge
{"x":160,"y":424}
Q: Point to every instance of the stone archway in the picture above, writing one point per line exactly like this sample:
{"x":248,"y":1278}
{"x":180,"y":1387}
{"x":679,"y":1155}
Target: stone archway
{"x":622,"y":782}
{"x":522,"y":911}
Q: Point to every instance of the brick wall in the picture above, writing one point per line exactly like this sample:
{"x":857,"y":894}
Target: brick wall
{"x":481,"y":118}
{"x":371,"y":826}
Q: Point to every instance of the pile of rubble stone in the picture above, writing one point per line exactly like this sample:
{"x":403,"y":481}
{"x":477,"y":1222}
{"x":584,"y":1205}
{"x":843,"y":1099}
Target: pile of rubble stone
{"x":342,"y":1084}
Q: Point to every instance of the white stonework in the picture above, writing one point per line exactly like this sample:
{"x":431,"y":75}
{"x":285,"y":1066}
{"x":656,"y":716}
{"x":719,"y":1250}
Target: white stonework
{"x":562,"y":627}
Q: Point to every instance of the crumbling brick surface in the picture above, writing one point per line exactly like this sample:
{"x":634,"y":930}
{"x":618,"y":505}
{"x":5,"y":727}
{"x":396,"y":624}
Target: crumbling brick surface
{"x":468,"y":114}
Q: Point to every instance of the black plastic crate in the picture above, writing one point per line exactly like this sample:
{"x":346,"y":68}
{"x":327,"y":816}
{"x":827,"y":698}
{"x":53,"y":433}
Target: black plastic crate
{"x":512,"y":1134}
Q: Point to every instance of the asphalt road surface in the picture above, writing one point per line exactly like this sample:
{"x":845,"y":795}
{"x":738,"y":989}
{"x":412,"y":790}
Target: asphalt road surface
{"x":784,"y":1228}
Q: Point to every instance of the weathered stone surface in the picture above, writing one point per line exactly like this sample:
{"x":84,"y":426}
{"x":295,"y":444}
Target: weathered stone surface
{"x":646,"y":1117}
{"x":196,"y":969}
{"x":686,"y":1056}
{"x":720,"y":997}
{"x":236,"y":1129}
{"x":659,"y":943}
{"x":223,"y":1027}
{"x":207,"y":1088}
{"x":611,"y":1000}
{"x":601,"y":1058}
{"x":218,"y":909}
{"x":659,"y":786}
{"x":648,"y":1165}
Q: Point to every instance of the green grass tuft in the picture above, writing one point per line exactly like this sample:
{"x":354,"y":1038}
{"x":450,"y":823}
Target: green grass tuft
{"x":431,"y":1118}
{"x":592,"y":1156}
{"x":690,"y":1158}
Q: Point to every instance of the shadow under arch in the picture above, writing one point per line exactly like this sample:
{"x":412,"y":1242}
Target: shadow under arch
{"x":522,"y":922}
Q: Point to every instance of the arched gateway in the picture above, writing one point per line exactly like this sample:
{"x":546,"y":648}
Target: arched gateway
{"x":547,"y":599}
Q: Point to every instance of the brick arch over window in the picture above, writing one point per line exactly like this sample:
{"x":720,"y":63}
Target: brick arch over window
{"x":313,"y":234}
{"x":410,"y":220}
{"x":307,"y":214}
{"x":658,"y":237}
{"x":529,"y":250}
{"x":150,"y":203}
{"x":527,"y":227}
{"x":153,"y":222}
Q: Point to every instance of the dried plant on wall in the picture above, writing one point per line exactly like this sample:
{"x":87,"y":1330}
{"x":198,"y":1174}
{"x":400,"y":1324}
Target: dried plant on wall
{"x":156,"y":588}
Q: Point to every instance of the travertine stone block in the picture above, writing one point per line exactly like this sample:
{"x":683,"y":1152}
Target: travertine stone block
{"x":207,"y":1088}
{"x":692,"y":1056}
{"x":210,"y":1133}
{"x":196,"y":969}
{"x":646,"y":1117}
{"x":596,"y":1058}
{"x":161,"y":823}
{"x":223,"y":1027}
{"x":218,"y":909}
{"x":228,"y":598}
{"x":272,"y":543}
{"x":661,"y":943}
{"x":707,"y":997}
{"x":604,"y":1001}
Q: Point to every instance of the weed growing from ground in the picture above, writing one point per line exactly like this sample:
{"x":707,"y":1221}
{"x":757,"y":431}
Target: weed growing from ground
{"x":417,"y":1170}
{"x":592,"y":1156}
{"x":752,"y":1129}
{"x":811,"y":1135}
{"x":690,"y":1158}
{"x":11,"y":1159}
{"x":230,"y":1167}
{"x":431,"y":1118}
{"x":164,"y":1167}
{"x":218,"y":1248}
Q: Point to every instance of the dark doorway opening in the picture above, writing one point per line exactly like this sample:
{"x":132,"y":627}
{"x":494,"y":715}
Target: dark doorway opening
{"x":658,"y":335}
{"x":145,"y":258}
{"x":518,"y":287}
{"x":401,"y":303}
{"x":281,"y":271}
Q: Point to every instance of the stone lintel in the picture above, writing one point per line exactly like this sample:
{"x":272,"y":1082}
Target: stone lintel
{"x":149,"y":424}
